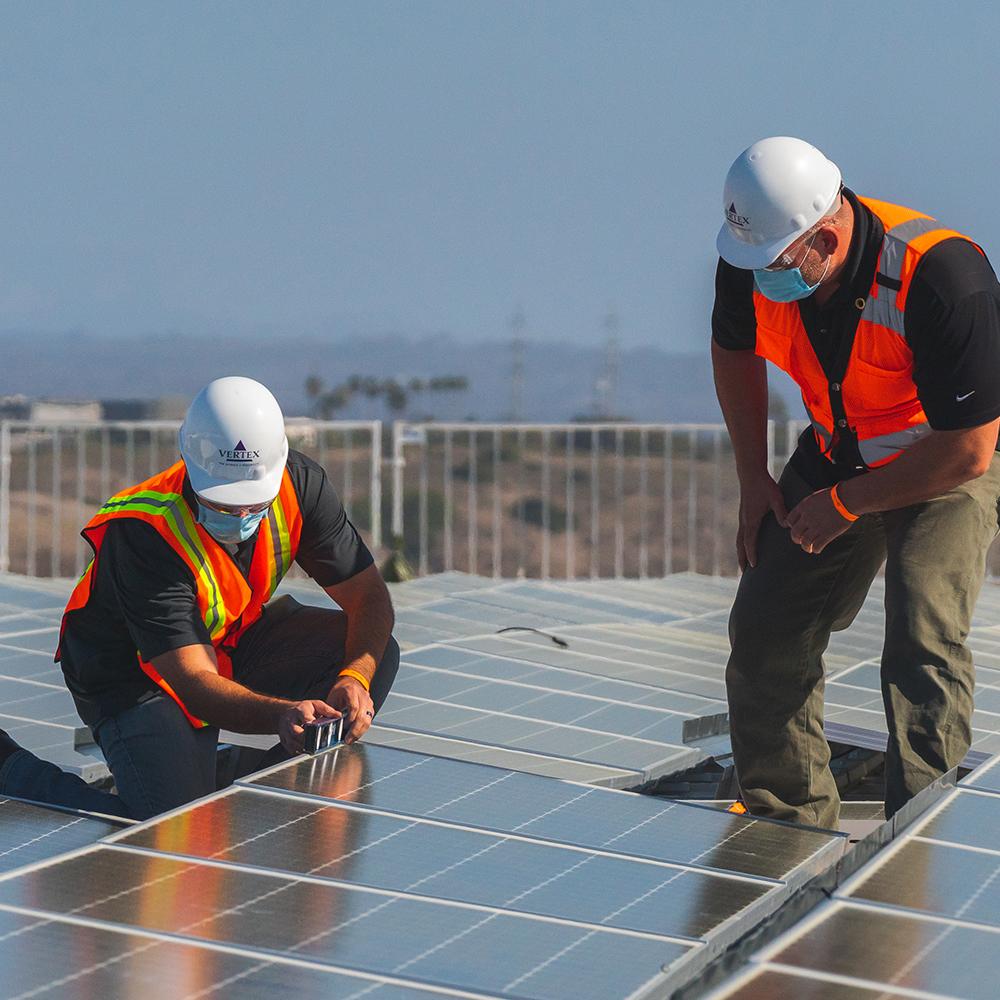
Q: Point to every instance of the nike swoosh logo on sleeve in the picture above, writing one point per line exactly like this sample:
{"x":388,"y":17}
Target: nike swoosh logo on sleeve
{"x":962,"y":399}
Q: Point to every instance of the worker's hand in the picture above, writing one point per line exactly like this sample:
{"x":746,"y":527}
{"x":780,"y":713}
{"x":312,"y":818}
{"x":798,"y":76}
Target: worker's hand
{"x":351,"y":698}
{"x":757,"y":500}
{"x":292,"y":720}
{"x":815,"y":522}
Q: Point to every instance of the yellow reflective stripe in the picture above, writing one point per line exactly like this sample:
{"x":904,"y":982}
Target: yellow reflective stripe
{"x":214,"y":613}
{"x":282,"y":555}
{"x":169,"y":506}
{"x":120,"y":500}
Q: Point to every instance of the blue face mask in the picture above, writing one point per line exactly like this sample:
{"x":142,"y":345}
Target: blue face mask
{"x":229,"y":529}
{"x":787,"y":285}
{"x":783,"y":286}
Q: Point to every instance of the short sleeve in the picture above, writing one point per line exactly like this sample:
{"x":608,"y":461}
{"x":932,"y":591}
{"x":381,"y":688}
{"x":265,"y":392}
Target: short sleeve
{"x":952,"y":324}
{"x":153,"y":587}
{"x":734,"y":323}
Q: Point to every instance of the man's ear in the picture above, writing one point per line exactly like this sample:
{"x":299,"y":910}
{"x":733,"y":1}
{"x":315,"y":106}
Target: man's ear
{"x":829,"y":239}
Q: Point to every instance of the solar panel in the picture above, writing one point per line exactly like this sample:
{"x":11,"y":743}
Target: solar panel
{"x":648,"y":757}
{"x":468,"y":877}
{"x":923,"y":914}
{"x":287,"y":879}
{"x":774,"y":985}
{"x":654,"y":650}
{"x":61,"y":958}
{"x":518,"y":760}
{"x":460,"y":662}
{"x":846,"y":944}
{"x":502,"y":801}
{"x":430,"y":942}
{"x":30,"y":833}
{"x":940,"y":879}
{"x":429,"y":858}
{"x":986,"y":777}
{"x":616,"y":661}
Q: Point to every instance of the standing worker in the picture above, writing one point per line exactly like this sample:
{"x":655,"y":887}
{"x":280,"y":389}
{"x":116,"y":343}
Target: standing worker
{"x":890,"y":324}
{"x":169,"y":635}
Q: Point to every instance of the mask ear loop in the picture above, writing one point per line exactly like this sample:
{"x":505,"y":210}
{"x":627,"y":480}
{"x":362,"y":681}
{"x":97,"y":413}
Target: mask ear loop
{"x":826,"y":269}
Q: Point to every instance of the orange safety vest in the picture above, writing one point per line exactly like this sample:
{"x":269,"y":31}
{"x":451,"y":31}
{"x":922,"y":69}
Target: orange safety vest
{"x":874,"y":397}
{"x":227,"y":602}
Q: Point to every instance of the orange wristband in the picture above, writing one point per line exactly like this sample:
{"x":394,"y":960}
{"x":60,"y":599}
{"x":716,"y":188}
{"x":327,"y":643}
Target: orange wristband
{"x":360,"y":678}
{"x":839,"y":504}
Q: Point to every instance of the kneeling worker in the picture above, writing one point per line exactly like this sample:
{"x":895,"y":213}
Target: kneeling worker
{"x":168,"y":636}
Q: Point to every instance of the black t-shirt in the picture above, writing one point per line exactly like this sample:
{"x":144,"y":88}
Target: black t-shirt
{"x":144,"y":596}
{"x":951,"y":322}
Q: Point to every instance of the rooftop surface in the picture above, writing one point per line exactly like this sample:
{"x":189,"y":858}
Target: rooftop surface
{"x":477,"y":844}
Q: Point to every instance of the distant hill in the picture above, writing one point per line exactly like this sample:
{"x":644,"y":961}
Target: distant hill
{"x":654,"y":385}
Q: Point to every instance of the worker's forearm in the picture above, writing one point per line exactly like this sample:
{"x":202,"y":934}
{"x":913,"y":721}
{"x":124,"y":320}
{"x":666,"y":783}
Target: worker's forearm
{"x":741,"y":385}
{"x":368,"y":629}
{"x":929,"y":468}
{"x":229,"y":705}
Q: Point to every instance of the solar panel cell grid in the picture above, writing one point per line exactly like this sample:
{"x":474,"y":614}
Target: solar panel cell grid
{"x":414,"y":856}
{"x":457,"y":661}
{"x":986,"y":777}
{"x":431,"y":942}
{"x":56,"y":958}
{"x":968,"y":818}
{"x":937,"y":879}
{"x":775,"y":985}
{"x":30,"y":833}
{"x":518,"y":760}
{"x":897,"y":950}
{"x":510,"y":802}
{"x":598,"y":747}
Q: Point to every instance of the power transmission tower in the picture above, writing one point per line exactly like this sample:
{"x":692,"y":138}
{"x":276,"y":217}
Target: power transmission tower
{"x":606,"y":386}
{"x":517,"y":348}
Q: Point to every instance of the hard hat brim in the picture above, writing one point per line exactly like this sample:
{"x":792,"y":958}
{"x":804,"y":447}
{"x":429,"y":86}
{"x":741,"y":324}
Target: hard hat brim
{"x":750,"y":257}
{"x":243,"y":492}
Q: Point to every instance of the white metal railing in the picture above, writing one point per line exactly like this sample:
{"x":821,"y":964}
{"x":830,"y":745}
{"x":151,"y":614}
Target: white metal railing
{"x":504,"y":500}
{"x":54,"y":476}
{"x":569,"y":500}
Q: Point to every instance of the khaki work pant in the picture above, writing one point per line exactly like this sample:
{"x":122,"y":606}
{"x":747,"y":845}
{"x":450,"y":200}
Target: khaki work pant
{"x":787,"y":606}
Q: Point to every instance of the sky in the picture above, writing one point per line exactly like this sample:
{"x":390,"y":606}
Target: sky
{"x":354,"y":169}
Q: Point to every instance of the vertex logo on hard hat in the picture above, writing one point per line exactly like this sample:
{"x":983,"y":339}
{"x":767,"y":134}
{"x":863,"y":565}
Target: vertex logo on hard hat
{"x":240,"y":455}
{"x":735,"y":219}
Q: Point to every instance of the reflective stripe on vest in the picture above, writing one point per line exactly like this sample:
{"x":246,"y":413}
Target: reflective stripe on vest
{"x":174,"y":510}
{"x":878,"y":450}
{"x":228,"y":603}
{"x":879,"y":395}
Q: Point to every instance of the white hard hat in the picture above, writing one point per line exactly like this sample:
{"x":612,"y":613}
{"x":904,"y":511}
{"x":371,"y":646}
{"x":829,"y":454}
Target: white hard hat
{"x":233,"y":442}
{"x":775,"y":190}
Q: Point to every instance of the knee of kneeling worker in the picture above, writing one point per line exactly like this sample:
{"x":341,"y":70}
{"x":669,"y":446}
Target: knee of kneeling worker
{"x":390,"y":658}
{"x":385,"y":674}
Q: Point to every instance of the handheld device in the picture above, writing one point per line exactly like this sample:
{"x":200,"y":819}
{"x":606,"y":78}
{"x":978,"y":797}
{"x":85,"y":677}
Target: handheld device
{"x":322,"y":734}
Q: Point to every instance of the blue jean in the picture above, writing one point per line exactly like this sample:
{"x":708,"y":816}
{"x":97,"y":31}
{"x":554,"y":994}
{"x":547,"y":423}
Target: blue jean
{"x":159,"y":761}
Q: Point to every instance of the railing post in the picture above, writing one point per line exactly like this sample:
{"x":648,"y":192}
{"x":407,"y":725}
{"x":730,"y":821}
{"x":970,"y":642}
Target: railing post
{"x":375,"y":492}
{"x":449,"y":505}
{"x":692,"y":510}
{"x":472,"y":502}
{"x":4,"y":497}
{"x":398,"y":429}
